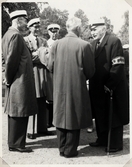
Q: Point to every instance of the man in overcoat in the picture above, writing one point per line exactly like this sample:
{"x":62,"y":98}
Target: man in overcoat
{"x":34,"y":42}
{"x":20,"y":100}
{"x":71,"y":60}
{"x":109,"y":76}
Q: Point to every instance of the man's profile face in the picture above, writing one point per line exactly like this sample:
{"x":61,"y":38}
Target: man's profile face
{"x":34,"y":29}
{"x":98,"y":32}
{"x":22,"y":23}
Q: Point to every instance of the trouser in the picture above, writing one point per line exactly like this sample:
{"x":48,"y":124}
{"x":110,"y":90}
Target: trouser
{"x":42,"y":115}
{"x":50,"y":114}
{"x":68,"y":140}
{"x":17,"y":129}
{"x":38,"y":123}
{"x":116,"y":140}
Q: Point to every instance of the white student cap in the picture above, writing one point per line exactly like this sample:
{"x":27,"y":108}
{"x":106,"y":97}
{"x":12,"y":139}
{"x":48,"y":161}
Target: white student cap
{"x":33,"y":21}
{"x":18,"y":13}
{"x":53,"y":27}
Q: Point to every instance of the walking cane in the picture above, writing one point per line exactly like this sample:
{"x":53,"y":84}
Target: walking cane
{"x":110,"y":121}
{"x":34,"y":127}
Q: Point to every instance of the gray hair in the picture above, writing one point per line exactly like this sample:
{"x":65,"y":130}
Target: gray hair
{"x":73,"y":23}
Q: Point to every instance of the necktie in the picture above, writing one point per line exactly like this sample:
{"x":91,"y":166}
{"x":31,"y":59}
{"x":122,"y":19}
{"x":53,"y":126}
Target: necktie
{"x":97,"y":46}
{"x":37,"y":42}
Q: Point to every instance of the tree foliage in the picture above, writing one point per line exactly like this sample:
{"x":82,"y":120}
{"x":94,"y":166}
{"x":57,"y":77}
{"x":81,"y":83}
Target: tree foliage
{"x":8,"y":7}
{"x":86,"y":33}
{"x":80,"y":14}
{"x":51,"y":15}
{"x":124,"y":32}
{"x":108,"y":24}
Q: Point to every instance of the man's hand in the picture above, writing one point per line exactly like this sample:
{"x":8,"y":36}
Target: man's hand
{"x":35,"y":53}
{"x":5,"y":82}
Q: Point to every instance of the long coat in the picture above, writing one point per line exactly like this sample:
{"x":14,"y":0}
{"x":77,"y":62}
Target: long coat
{"x":38,"y":67}
{"x":71,"y":60}
{"x":109,"y":64}
{"x":21,"y":100}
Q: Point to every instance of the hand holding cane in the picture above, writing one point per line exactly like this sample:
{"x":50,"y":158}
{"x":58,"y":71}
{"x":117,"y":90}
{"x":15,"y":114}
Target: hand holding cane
{"x":110,"y":121}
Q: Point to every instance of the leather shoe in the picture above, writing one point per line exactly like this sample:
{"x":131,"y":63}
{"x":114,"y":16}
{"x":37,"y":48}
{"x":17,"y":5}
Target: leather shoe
{"x":71,"y":156}
{"x":31,"y":136}
{"x":90,"y":130}
{"x":62,"y":154}
{"x":112,"y":150}
{"x":96,"y":144}
{"x":46,"y":133}
{"x":21,"y":149}
{"x":50,"y":125}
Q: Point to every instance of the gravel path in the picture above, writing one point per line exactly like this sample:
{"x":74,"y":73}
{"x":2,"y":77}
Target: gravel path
{"x":45,"y":151}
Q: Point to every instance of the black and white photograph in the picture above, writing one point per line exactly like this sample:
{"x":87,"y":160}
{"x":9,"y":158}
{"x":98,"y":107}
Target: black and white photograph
{"x":65,"y":83}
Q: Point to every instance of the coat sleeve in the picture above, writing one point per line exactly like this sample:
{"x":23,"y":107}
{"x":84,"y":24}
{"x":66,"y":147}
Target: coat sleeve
{"x":88,"y":61}
{"x":117,"y":65}
{"x":13,"y":57}
{"x":34,"y":52}
{"x":51,"y":58}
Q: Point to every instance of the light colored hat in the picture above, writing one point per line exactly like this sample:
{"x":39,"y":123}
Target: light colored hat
{"x":18,"y":13}
{"x":126,"y":46}
{"x":97,"y":22}
{"x":33,"y":21}
{"x":53,"y":26}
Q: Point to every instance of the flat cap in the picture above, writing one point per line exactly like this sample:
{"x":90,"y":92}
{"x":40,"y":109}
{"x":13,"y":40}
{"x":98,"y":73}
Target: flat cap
{"x":53,"y":26}
{"x":18,"y":13}
{"x":33,"y":21}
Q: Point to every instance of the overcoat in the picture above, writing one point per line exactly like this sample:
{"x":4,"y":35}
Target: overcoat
{"x":72,"y":62}
{"x":109,"y":64}
{"x":21,"y":100}
{"x":38,"y":67}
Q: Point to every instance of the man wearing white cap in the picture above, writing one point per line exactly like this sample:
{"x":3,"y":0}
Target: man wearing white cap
{"x":20,"y":101}
{"x":53,"y":30}
{"x":109,"y":79}
{"x":34,"y":42}
{"x":72,"y":62}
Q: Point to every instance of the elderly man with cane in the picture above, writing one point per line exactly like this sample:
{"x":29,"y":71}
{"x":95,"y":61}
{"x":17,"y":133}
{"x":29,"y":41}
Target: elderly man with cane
{"x":109,"y":78}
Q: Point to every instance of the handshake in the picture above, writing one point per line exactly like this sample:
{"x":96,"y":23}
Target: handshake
{"x":43,"y":53}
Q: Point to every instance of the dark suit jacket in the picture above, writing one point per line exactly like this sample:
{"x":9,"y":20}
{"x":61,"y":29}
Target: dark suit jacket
{"x":109,"y":63}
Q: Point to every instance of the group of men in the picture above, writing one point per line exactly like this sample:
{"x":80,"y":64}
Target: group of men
{"x":32,"y":64}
